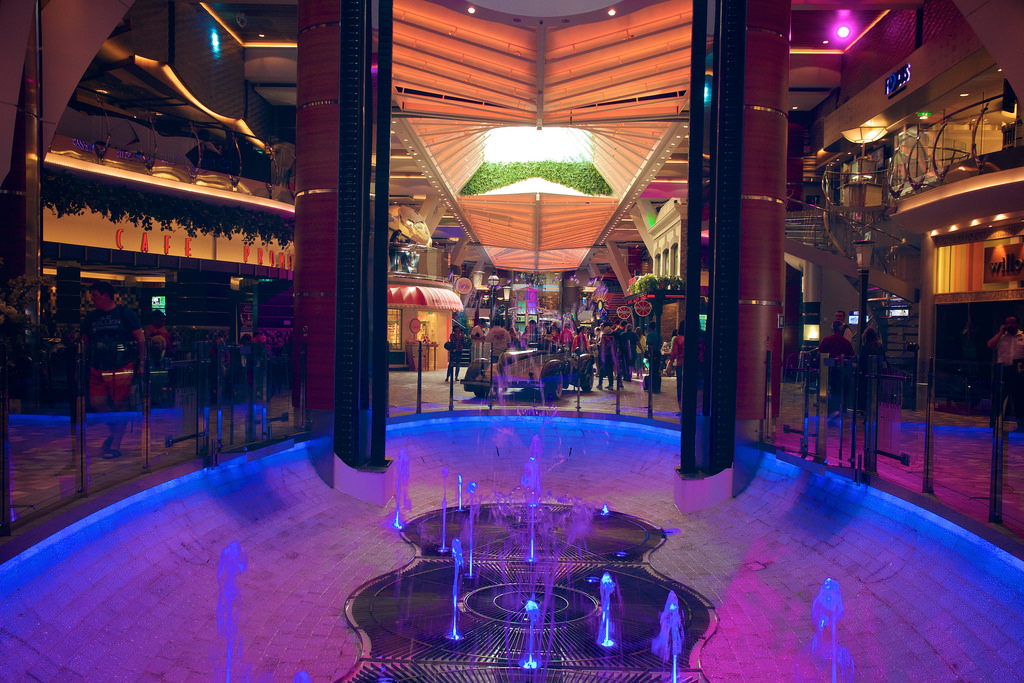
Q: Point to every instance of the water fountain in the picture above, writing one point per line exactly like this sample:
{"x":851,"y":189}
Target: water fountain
{"x":532,"y":610}
{"x":444,"y":512}
{"x":669,"y":642}
{"x":460,"y":491}
{"x":401,"y":488}
{"x":604,"y":631}
{"x":233,"y":561}
{"x":471,"y":490}
{"x":823,"y":659}
{"x":457,"y":557}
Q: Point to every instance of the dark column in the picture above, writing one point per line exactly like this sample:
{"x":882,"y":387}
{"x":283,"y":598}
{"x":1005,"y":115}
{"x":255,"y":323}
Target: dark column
{"x":691,"y":242}
{"x":727,"y":159}
{"x":355,"y":110}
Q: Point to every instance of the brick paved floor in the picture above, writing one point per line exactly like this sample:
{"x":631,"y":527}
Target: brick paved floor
{"x":132,"y":594}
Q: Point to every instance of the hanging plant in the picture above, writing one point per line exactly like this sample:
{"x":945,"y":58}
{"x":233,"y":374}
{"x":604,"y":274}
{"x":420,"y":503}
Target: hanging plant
{"x":582,"y":176}
{"x":68,"y":195}
{"x":650,"y":283}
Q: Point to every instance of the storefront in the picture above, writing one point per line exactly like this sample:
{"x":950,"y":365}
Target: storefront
{"x":420,"y":313}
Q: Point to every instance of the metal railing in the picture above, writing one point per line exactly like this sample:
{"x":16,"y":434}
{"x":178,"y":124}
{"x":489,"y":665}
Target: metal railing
{"x":82,"y":430}
{"x":958,"y":448}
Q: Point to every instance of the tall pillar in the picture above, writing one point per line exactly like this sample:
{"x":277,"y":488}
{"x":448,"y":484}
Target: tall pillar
{"x":316,"y":207}
{"x":763,"y":201}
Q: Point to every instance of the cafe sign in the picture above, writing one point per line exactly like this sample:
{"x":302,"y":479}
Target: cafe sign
{"x":1004,"y":263}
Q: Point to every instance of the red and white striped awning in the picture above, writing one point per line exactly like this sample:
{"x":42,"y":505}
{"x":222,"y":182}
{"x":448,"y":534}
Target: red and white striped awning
{"x":424,"y":298}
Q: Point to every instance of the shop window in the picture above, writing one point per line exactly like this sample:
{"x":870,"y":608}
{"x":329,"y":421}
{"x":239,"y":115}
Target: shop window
{"x":675,"y":260}
{"x":395,"y":329}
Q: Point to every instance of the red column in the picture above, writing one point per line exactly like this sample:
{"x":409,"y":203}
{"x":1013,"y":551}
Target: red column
{"x":761,"y":282}
{"x":316,"y":201}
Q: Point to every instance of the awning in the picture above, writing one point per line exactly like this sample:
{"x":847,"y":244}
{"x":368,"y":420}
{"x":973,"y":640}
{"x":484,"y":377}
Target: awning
{"x":425,"y":298}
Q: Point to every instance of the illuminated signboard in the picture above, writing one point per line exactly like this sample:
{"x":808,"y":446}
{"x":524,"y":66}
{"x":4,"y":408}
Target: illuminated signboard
{"x":897,"y":80}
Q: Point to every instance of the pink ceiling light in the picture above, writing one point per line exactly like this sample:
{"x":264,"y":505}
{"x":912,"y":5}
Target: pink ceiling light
{"x":843,"y":31}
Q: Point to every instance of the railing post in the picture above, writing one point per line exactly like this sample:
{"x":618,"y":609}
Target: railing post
{"x":804,"y":434}
{"x":995,"y":496}
{"x":927,"y":481}
{"x":451,"y":393}
{"x":821,"y":440}
{"x":144,"y":392}
{"x":6,"y":503}
{"x":578,"y":354}
{"x":419,"y":377}
{"x":765,"y":426}
{"x":80,"y":427}
{"x":303,"y":417}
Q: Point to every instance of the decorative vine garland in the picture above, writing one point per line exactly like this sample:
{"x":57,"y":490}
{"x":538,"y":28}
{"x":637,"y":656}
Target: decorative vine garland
{"x":66,"y":194}
{"x":579,"y":175}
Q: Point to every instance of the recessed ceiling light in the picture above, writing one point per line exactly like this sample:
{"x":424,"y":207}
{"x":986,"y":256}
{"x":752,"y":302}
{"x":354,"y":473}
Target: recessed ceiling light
{"x":843,"y":31}
{"x":824,"y":42}
{"x":471,"y":10}
{"x":965,"y":94}
{"x":611,"y":12}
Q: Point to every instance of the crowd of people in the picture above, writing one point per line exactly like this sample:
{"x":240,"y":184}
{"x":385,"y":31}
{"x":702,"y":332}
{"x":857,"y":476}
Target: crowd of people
{"x":621,"y":352}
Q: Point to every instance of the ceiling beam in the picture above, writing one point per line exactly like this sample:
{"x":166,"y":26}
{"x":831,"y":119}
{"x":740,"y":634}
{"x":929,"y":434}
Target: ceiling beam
{"x":619,"y":266}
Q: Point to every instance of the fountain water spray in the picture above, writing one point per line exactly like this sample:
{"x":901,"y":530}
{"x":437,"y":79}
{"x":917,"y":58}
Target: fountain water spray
{"x":604,"y":510}
{"x":460,"y":491}
{"x":401,"y":488}
{"x":457,"y":557}
{"x":533,"y":616}
{"x":444,"y":512}
{"x":471,"y":489}
{"x":604,"y":631}
{"x":826,"y":611}
{"x":233,"y":561}
{"x":531,"y":482}
{"x":670,"y":637}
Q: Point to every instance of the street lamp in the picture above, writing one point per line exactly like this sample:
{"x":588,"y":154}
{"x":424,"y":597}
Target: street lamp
{"x":860,"y":387}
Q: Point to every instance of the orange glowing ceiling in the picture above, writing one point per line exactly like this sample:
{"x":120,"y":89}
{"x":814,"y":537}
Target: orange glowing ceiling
{"x":623,"y":79}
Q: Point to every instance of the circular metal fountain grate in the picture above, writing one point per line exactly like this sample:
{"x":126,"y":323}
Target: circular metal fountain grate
{"x":406,"y":617}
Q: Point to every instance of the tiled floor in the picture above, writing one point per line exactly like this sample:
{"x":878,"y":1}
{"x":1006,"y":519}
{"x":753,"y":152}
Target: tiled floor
{"x":133,"y":595}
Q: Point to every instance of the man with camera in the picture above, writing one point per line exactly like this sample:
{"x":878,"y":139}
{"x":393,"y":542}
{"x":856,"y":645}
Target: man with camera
{"x":1008,"y":343}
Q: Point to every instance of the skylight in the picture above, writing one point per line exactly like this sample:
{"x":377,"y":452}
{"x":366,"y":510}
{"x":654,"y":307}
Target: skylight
{"x":524,"y":144}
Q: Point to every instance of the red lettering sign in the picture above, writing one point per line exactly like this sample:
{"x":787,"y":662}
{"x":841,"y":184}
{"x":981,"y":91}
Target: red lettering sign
{"x":188,"y":246}
{"x":167,"y":244}
{"x":144,"y":248}
{"x":245,"y":253}
{"x":259,"y":256}
{"x":117,"y":239}
{"x":271,"y":257}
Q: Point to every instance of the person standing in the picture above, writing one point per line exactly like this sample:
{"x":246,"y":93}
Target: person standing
{"x":115,"y":350}
{"x":675,"y":359}
{"x":456,"y":342}
{"x":1008,"y":343}
{"x":835,"y":345}
{"x":606,"y":357}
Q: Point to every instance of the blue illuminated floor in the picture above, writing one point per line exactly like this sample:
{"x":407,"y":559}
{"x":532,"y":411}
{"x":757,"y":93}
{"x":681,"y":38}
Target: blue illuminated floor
{"x":133,"y":595}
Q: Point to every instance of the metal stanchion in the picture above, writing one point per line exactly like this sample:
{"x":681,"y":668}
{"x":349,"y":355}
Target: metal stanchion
{"x":804,"y":445}
{"x":419,"y":378}
{"x":821,"y":441}
{"x":928,"y":479}
{"x":578,"y":368}
{"x":451,"y":394}
{"x":6,"y":502}
{"x":767,"y":414}
{"x":80,"y":430}
{"x":144,"y":391}
{"x":995,"y":499}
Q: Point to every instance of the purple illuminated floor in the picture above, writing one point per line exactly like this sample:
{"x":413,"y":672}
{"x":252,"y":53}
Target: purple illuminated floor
{"x":133,"y":594}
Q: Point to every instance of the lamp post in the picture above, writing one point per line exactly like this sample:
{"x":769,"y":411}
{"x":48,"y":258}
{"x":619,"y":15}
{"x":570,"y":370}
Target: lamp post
{"x":860,"y":387}
{"x":492,"y":282}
